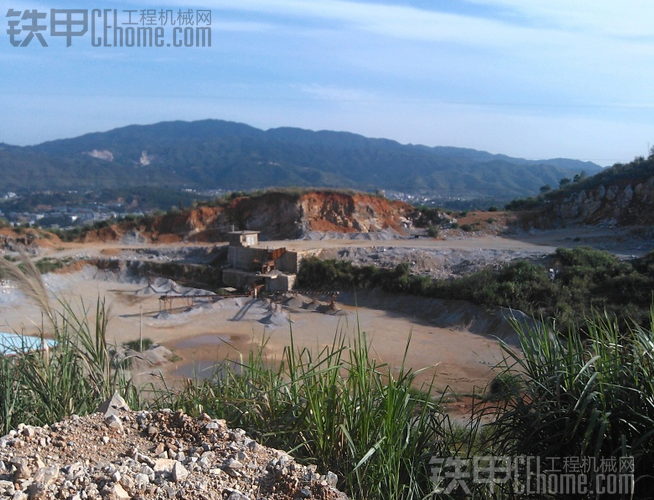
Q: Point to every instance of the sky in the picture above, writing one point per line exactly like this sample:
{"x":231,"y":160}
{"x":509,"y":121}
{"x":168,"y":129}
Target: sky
{"x":529,"y":78}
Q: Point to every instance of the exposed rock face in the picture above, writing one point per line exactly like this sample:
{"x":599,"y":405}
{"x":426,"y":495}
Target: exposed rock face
{"x":101,"y":154}
{"x":624,"y":205}
{"x":358,"y":213}
{"x":161,"y":455}
{"x":277,"y":215}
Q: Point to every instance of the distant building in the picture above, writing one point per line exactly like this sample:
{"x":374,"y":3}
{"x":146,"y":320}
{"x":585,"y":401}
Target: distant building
{"x":275,"y":269}
{"x":243,"y":238}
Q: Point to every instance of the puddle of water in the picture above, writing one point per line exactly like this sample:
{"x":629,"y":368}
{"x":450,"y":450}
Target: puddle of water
{"x":202,"y":370}
{"x":204,"y":356}
{"x":202,"y":340}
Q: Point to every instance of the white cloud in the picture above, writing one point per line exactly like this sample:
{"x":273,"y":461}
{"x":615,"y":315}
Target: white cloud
{"x":390,"y":20}
{"x":544,"y":18}
{"x":246,"y":27}
{"x":333,"y":93}
{"x":632,"y":18}
{"x":528,"y":75}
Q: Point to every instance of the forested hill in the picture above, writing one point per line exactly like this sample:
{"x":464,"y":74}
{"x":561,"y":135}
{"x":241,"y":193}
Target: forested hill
{"x":620,"y":195}
{"x":214,"y":154}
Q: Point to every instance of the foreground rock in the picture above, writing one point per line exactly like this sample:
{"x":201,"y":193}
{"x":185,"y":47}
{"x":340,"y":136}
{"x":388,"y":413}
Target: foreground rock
{"x":121,"y":454}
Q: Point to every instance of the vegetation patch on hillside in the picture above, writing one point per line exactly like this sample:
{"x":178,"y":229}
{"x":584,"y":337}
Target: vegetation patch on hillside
{"x":576,"y":283}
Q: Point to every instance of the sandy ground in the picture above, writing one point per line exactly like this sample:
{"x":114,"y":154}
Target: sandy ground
{"x":201,"y":331}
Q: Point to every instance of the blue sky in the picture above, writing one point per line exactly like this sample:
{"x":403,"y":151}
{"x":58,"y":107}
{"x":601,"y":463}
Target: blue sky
{"x":529,"y":78}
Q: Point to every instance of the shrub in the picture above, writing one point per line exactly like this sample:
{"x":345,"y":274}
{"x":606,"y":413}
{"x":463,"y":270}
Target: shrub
{"x":432,"y":231}
{"x":584,"y":280}
{"x":48,"y":265}
{"x":139,"y":345}
{"x":529,"y":203}
{"x":582,"y":398}
{"x":339,"y":408}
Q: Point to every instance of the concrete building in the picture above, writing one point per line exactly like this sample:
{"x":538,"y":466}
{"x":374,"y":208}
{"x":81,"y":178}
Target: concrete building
{"x":248,"y":267}
{"x":243,"y":238}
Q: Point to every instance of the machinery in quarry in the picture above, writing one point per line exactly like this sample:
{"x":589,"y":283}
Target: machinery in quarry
{"x":250,"y":267}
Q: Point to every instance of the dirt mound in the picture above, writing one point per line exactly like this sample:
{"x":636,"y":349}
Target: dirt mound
{"x":359,"y":213}
{"x":122,"y":454}
{"x":275,"y":319}
{"x":26,"y":240}
{"x":277,"y":215}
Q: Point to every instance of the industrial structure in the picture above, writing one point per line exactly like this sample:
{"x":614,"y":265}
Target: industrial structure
{"x":254,"y":268}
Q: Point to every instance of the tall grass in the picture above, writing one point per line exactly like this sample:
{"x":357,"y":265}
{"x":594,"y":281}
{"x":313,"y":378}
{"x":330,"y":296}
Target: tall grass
{"x":339,"y":408}
{"x":591,"y":397}
{"x":558,"y":395}
{"x":45,"y":386}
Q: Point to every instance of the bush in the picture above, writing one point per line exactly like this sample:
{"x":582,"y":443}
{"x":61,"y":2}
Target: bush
{"x":339,"y":408}
{"x":138,"y":345}
{"x":584,"y":280}
{"x":48,"y":265}
{"x":432,"y":231}
{"x":530,"y":203}
{"x":582,"y":398}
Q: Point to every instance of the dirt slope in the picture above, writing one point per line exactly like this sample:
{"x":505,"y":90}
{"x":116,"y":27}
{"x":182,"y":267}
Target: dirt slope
{"x":278,"y":215}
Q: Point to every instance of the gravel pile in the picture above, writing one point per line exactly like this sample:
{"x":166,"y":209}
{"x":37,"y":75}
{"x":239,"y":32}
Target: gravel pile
{"x":438,"y":263}
{"x":119,"y":454}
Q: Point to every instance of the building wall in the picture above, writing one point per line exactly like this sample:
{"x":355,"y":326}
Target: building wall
{"x":243,"y":240}
{"x":282,"y":283}
{"x":288,"y":263}
{"x":237,"y":279}
{"x":241,"y":279}
{"x":243,"y":257}
{"x":242,"y":269}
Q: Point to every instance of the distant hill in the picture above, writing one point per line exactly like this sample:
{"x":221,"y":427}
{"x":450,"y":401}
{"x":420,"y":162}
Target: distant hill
{"x":215,"y":154}
{"x":622,"y":195}
{"x":276,"y":215}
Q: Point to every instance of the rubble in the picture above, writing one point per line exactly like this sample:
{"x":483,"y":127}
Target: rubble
{"x":164,"y":454}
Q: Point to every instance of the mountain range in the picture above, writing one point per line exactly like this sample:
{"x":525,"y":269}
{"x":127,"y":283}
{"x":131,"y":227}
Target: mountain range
{"x":216,"y":154}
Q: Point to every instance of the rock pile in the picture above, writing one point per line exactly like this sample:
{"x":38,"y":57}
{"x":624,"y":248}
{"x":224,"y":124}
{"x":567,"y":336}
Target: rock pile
{"x":118,"y":454}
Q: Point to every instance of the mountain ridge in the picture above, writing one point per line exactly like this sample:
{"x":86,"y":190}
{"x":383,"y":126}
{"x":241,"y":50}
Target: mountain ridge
{"x":217,"y":154}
